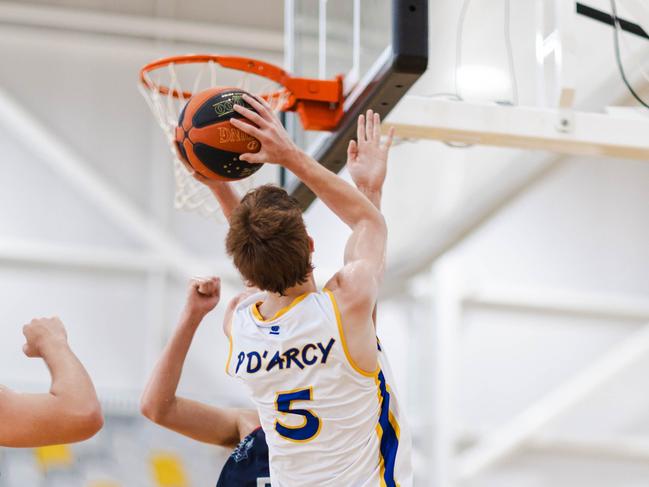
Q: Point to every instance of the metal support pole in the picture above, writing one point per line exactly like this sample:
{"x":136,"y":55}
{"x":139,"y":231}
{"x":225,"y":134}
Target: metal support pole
{"x":322,"y":39}
{"x":446,"y":303}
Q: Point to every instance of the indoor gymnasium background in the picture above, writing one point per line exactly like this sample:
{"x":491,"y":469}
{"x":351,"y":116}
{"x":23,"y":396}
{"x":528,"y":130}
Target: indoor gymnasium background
{"x":516,"y":302}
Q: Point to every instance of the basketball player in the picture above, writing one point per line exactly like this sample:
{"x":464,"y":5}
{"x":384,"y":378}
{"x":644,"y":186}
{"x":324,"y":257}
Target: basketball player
{"x":308,"y":357}
{"x":228,"y":427}
{"x":70,"y":412}
{"x":248,"y":464}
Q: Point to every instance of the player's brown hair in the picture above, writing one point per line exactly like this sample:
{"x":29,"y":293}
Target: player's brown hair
{"x":268,"y":240}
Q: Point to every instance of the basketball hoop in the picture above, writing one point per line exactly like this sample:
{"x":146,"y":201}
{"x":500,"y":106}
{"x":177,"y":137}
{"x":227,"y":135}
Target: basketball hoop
{"x":164,"y":84}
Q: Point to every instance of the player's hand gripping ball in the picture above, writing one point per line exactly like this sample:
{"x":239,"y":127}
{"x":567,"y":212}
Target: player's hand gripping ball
{"x":207,"y":143}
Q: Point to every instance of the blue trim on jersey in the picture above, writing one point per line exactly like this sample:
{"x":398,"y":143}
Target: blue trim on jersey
{"x":389,"y":439}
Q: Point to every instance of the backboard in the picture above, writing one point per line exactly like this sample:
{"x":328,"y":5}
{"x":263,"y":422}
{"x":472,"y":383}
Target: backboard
{"x":341,"y":57}
{"x":381,"y":48}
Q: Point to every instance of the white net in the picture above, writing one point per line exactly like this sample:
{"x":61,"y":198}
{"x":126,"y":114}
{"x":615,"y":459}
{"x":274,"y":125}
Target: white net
{"x":180,"y":81}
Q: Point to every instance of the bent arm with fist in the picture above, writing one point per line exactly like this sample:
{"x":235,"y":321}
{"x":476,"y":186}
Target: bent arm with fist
{"x":70,"y":412}
{"x":160,"y":404}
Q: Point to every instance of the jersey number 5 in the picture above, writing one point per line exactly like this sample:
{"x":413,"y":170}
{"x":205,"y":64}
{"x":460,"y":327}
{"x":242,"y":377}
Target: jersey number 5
{"x":311,"y":424}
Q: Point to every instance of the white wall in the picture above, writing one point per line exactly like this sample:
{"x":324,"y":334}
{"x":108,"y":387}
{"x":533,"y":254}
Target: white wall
{"x":82,"y":88}
{"x":582,"y":230}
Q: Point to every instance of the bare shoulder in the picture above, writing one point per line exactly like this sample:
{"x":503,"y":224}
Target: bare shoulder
{"x":232,"y":305}
{"x":355,"y":288}
{"x":354,"y":300}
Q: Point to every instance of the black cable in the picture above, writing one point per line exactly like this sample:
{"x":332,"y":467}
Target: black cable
{"x":618,"y":57}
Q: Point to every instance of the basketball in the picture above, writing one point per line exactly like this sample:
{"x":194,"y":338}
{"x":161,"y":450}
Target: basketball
{"x":208,"y":143}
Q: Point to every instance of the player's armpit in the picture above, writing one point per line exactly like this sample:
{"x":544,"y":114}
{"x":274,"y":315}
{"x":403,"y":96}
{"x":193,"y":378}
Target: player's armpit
{"x":355,"y":289}
{"x":248,"y":422}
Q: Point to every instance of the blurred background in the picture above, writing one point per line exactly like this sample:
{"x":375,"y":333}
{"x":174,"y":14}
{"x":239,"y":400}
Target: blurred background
{"x":515,"y":308}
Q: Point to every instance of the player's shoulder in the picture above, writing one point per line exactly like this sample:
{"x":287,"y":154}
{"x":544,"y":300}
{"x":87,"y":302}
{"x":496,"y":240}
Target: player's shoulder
{"x":354,"y":286}
{"x":240,"y":300}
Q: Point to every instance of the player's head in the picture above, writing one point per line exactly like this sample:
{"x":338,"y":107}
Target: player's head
{"x":268,"y":240}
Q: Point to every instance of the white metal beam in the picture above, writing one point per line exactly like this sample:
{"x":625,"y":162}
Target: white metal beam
{"x":614,"y":447}
{"x":95,"y":22}
{"x":445,"y":297}
{"x":172,"y":30}
{"x":531,"y":128}
{"x":592,"y":305}
{"x":513,"y":435}
{"x":617,"y":447}
{"x":27,"y":252}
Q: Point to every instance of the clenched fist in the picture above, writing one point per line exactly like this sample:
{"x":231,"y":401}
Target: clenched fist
{"x":202,"y":296}
{"x":43,"y":333}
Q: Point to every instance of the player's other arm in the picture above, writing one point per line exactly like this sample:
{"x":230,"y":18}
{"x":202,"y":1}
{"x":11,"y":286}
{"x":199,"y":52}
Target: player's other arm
{"x":368,"y":170}
{"x":159,"y":403}
{"x":356,"y":285}
{"x":70,"y":412}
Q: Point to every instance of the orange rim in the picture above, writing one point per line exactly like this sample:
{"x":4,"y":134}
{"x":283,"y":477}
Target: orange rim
{"x":253,"y":66}
{"x":319,"y":102}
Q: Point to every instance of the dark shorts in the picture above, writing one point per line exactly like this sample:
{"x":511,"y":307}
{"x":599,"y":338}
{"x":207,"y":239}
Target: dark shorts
{"x":248,"y":464}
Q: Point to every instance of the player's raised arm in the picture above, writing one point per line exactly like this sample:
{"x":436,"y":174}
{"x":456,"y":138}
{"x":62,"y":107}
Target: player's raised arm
{"x":369,"y":234}
{"x":368,"y":169}
{"x":159,"y":403}
{"x":70,"y":412}
{"x":347,"y":202}
{"x":356,"y":286}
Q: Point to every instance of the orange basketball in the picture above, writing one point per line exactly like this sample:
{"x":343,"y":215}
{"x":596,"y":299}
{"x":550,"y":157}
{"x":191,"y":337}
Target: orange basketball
{"x":208,"y":142}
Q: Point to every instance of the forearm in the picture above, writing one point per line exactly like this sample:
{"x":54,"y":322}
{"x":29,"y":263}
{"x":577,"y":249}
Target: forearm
{"x":347,"y":202}
{"x":227,"y":197}
{"x":374,"y":195}
{"x":160,"y":393}
{"x":189,"y":418}
{"x":70,"y":412}
{"x":71,"y":384}
{"x":202,"y":422}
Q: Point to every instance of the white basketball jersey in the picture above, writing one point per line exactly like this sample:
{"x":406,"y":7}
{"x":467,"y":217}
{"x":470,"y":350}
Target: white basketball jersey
{"x":327,"y":422}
